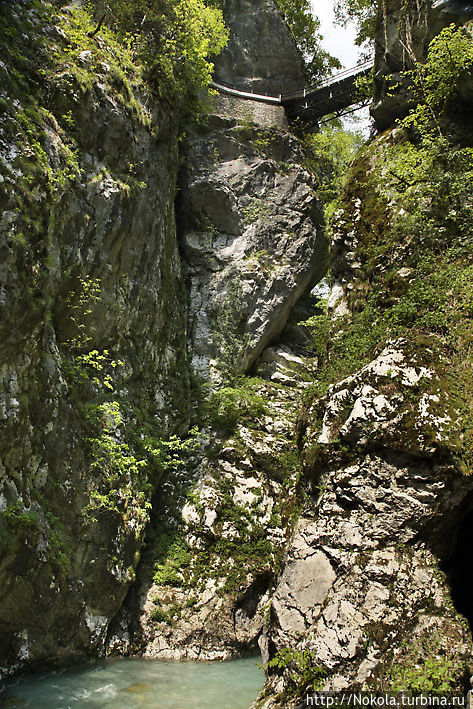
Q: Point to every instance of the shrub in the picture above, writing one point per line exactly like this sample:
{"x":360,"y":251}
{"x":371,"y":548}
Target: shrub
{"x":231,"y":405}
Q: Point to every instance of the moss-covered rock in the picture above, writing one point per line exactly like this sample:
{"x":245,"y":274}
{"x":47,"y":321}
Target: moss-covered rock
{"x":386,"y":434}
{"x":90,"y":369}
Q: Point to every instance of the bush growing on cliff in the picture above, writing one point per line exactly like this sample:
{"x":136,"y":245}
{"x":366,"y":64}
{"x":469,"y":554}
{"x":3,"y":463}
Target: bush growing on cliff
{"x":435,"y":83}
{"x":426,"y":665}
{"x":231,"y":405}
{"x":300,"y":668}
{"x":171,"y":42}
{"x":304,"y":28}
{"x":172,"y":557}
{"x":329,"y":154}
{"x":173,"y":39}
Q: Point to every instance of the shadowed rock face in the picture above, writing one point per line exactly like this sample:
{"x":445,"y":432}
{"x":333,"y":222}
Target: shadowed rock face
{"x":261,"y":54}
{"x":404,"y":32}
{"x":457,"y":6}
{"x":63,"y":575}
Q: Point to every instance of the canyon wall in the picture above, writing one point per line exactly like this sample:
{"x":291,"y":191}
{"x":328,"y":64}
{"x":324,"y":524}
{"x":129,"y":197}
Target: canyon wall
{"x":114,"y":324}
{"x":91,"y":282}
{"x":187,"y":470}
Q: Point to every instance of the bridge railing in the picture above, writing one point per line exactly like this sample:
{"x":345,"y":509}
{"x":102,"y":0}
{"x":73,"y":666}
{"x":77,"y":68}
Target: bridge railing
{"x":335,"y":79}
{"x":234,"y":91}
{"x":291,"y":96}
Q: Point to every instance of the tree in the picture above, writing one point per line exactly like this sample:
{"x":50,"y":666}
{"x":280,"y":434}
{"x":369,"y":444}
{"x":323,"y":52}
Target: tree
{"x":305,"y":30}
{"x":173,"y":39}
{"x":363,"y":14}
{"x":330,"y":151}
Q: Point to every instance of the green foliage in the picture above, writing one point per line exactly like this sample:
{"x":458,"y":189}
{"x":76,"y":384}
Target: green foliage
{"x":407,"y":210}
{"x":319,"y":327}
{"x":264,"y":140}
{"x":362,"y":13}
{"x":121,"y":456}
{"x":174,"y":40}
{"x":168,"y":455}
{"x":123,"y":488}
{"x":433,"y":675}
{"x":365,"y":87}
{"x":68,"y":74}
{"x":125,"y":470}
{"x":329,"y":153}
{"x":290,"y":465}
{"x":91,"y":367}
{"x":172,"y":557}
{"x":87,"y":367}
{"x":258,"y":208}
{"x":121,"y":485}
{"x":165,"y":615}
{"x":426,"y":665}
{"x":344,"y":348}
{"x":232,"y":405}
{"x":435,"y":83}
{"x":58,"y":544}
{"x":16,"y":516}
{"x":300,"y":668}
{"x":79,"y":304}
{"x":304,"y":28}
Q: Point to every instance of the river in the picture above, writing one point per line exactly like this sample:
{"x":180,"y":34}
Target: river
{"x":147,"y":684}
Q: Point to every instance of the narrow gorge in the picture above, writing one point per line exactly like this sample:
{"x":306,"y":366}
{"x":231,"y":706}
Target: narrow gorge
{"x":201,"y":457}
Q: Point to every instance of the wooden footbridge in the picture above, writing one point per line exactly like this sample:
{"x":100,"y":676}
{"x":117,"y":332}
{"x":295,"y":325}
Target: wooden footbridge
{"x":334,"y":95}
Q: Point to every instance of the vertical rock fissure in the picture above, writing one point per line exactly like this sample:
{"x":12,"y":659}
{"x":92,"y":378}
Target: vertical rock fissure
{"x":457,"y":567}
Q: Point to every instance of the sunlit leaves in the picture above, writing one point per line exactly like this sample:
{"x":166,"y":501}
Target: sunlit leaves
{"x":435,"y":83}
{"x":362,"y":13}
{"x":174,"y":40}
{"x":304,"y":28}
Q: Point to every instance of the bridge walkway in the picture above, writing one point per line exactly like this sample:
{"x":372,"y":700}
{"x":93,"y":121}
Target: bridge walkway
{"x":333,"y":95}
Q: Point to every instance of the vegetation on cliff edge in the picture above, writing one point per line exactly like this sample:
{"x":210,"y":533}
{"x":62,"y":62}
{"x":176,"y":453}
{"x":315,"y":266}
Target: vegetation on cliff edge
{"x":406,"y":214}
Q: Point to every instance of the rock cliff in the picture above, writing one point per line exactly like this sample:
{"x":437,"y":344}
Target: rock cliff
{"x":98,"y":293}
{"x":90,"y":279}
{"x":404,"y":31}
{"x":251,"y":235}
{"x":180,"y":475}
{"x":261,"y":55}
{"x":371,"y":594}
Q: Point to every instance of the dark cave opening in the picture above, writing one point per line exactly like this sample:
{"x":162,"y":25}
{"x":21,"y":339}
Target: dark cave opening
{"x":458,"y":568}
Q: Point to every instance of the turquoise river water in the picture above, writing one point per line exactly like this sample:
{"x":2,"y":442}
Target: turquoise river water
{"x":144,"y":684}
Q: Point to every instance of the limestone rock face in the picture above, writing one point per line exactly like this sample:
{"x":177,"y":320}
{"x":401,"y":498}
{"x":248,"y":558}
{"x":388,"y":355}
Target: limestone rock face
{"x":250,"y":226}
{"x":370,"y":586}
{"x":360,"y":588}
{"x":96,"y":299}
{"x":404,"y":32}
{"x":231,"y":507}
{"x":261,"y":55}
{"x":87,"y":295}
